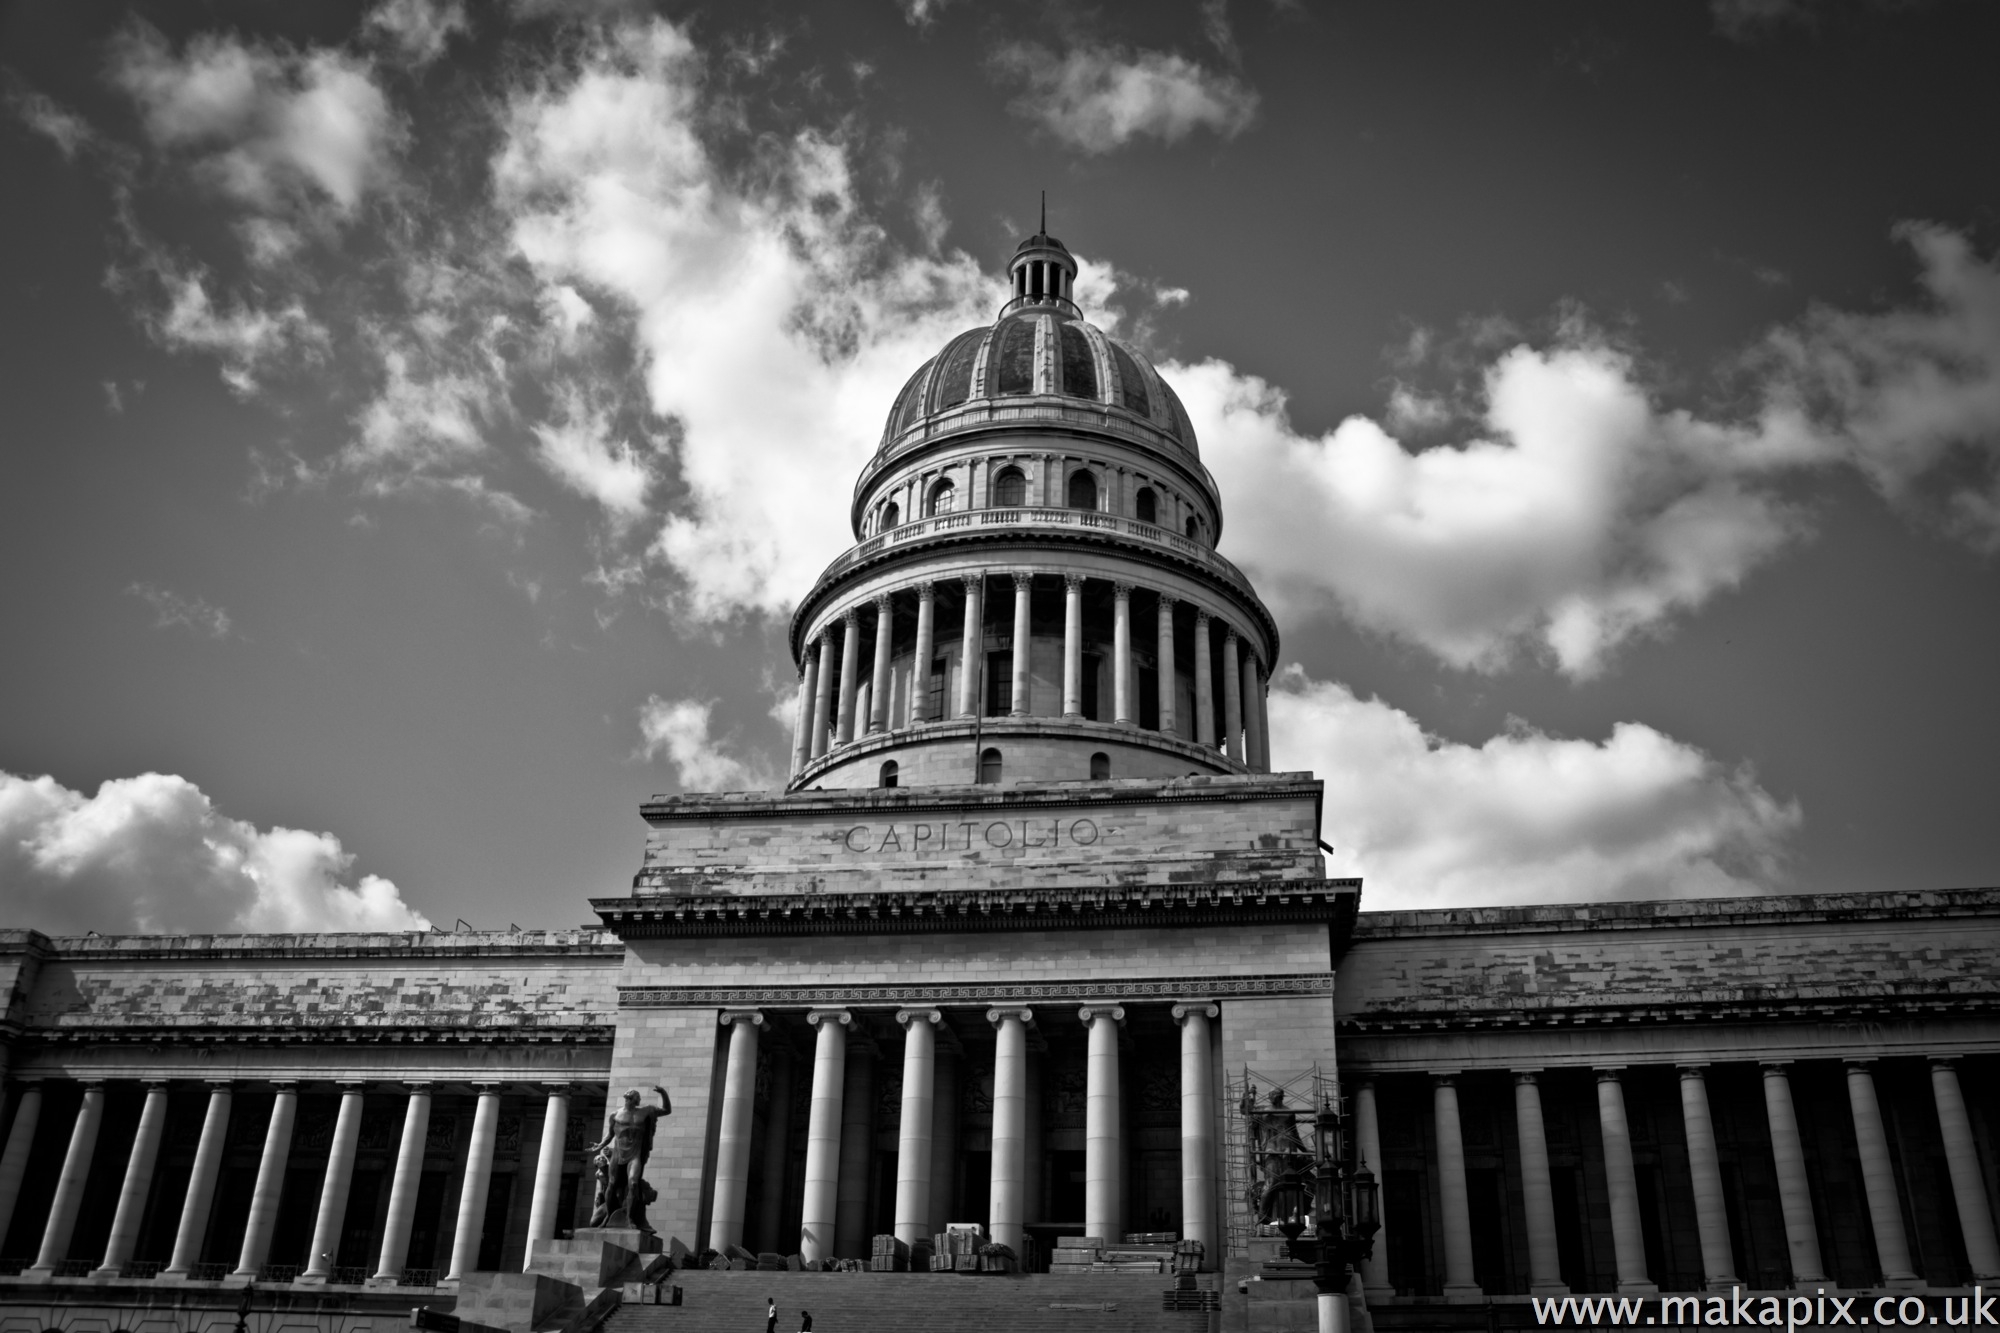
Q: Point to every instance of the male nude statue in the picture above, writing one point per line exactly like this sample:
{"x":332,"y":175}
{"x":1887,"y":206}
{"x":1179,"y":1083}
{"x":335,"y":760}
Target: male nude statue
{"x":621,"y":1160}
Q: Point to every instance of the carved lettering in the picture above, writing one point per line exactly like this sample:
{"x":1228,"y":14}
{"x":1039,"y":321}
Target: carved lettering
{"x":919,"y":836}
{"x":1083,"y":832}
{"x":889,"y":840}
{"x":1005,"y":839}
{"x":862,"y":829}
{"x":919,"y":840}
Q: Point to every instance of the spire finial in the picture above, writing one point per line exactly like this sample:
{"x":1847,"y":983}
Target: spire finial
{"x":1045,"y":212}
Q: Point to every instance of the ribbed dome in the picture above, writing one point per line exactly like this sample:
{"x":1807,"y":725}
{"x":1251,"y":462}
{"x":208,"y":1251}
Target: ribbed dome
{"x":1036,"y":351}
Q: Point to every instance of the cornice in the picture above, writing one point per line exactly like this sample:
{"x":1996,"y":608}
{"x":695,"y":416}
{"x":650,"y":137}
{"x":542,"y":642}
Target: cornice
{"x":588,"y":944}
{"x":1086,"y":734}
{"x":707,"y":807}
{"x":204,"y":1030}
{"x":1682,"y":913}
{"x":864,"y":996}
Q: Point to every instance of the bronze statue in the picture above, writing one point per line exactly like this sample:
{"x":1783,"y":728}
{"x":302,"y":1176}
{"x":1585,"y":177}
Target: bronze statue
{"x":1276,"y":1150}
{"x":622,"y":1191}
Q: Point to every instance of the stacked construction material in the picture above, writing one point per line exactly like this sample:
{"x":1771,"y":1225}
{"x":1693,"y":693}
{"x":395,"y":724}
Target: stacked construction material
{"x":956,"y":1248}
{"x":1142,"y":1252}
{"x":888,"y":1255}
{"x":1151,"y":1237}
{"x":1188,"y":1255}
{"x":1075,"y":1254}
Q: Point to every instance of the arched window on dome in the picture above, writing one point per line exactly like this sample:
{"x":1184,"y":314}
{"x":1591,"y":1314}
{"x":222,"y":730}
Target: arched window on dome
{"x":892,"y":516}
{"x":888,"y":773}
{"x":989,"y":767}
{"x":1082,"y":489}
{"x":1149,"y":505}
{"x":1100,"y":766}
{"x":1193,"y":528}
{"x":1010,"y":489}
{"x":941,"y":499}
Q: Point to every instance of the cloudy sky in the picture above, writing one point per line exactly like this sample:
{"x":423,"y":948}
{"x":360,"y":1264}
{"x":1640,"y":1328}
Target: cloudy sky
{"x":420,"y":418}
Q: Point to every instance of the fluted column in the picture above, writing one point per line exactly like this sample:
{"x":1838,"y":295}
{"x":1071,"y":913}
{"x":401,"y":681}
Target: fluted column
{"x":1010,"y":1110}
{"x":1198,"y":1128}
{"x":200,"y":1197}
{"x":1232,"y":697}
{"x":878,"y":692}
{"x":1103,"y":1123}
{"x":1023,"y":632}
{"x":1124,"y":706}
{"x":1711,"y":1217}
{"x":325,"y":1251}
{"x":1456,"y":1214}
{"x":1072,"y":645}
{"x":944,"y":1132}
{"x":1263,"y":702}
{"x":1256,"y":752}
{"x":1368,"y":1146}
{"x":1968,"y":1183}
{"x":75,"y":1173}
{"x":1794,"y":1194}
{"x":1878,"y":1177}
{"x":478,"y":1181}
{"x":1621,"y":1184}
{"x":822,"y":1182}
{"x":1537,"y":1194}
{"x":1169,"y":685}
{"x":138,"y":1182}
{"x":542,"y":1208}
{"x":850,"y":675}
{"x":777,"y":1151}
{"x":822,"y":716}
{"x":972,"y":653}
{"x":732,"y":1146}
{"x":20,"y":1144}
{"x":1204,"y":684}
{"x":802,"y":724}
{"x":913,"y":1131}
{"x":270,"y":1187}
{"x":857,"y":1148}
{"x":920,"y":668}
{"x":403,"y":1185}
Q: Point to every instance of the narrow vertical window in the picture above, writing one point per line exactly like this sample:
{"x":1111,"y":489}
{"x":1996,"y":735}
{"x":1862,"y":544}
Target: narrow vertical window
{"x":1100,"y":766}
{"x":1010,"y":488}
{"x":989,"y":766}
{"x":1149,"y":505}
{"x":888,"y":773}
{"x":943,"y":496}
{"x":1082,"y":489}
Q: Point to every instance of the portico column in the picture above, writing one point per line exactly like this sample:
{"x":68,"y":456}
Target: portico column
{"x":548,"y":1171}
{"x":1263,"y":702}
{"x":1169,"y":685}
{"x":822,"y":1183}
{"x":1232,"y":697}
{"x":1456,"y":1211}
{"x":1878,"y":1176}
{"x":1254,"y":752}
{"x":1968,"y":1185}
{"x":61,"y":1224}
{"x":822,"y":713}
{"x":1124,"y":708}
{"x":20,"y":1144}
{"x":878,"y":692}
{"x":1537,"y":1194}
{"x":1705,"y":1173}
{"x":1073,"y":645}
{"x":1621,"y":1184}
{"x":944,"y":1131}
{"x":777,"y":1150}
{"x":1794,"y":1195}
{"x":1103,"y":1122}
{"x":1368,"y":1144}
{"x":403,"y":1185}
{"x":270,"y":1187}
{"x":913,"y":1133}
{"x":803,"y":723}
{"x":1197,"y":1129}
{"x":850,"y":674}
{"x":857,"y":1148}
{"x":201,"y":1183}
{"x":972,"y":653}
{"x":138,"y":1182}
{"x":920,"y":668}
{"x":333,"y":1190}
{"x":1023,"y":629}
{"x":1010,"y":1117}
{"x":1204,"y":685}
{"x":478,"y":1181}
{"x":732,"y":1145}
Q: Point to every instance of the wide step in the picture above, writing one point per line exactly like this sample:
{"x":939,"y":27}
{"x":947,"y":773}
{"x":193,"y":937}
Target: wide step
{"x":914,"y":1303}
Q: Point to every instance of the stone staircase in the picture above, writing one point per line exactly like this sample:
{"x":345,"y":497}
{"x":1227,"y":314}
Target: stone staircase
{"x":733,"y":1302}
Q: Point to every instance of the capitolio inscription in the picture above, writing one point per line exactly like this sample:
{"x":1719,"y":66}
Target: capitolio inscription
{"x":967,"y":835}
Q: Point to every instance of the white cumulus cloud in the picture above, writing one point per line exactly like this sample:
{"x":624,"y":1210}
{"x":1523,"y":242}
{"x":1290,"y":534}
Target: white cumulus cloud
{"x":1524,"y":817}
{"x":678,"y":731}
{"x":171,"y":609}
{"x":1097,"y":98}
{"x":151,"y":854}
{"x":418,"y":30}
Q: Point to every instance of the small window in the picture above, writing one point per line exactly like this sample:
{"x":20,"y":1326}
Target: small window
{"x":1082,"y":489}
{"x":1149,"y":505}
{"x":934,"y":692}
{"x":1000,"y":683}
{"x":943,"y":497}
{"x":1100,"y":766}
{"x":1010,"y":489}
{"x":1194,"y":527}
{"x":989,"y":767}
{"x":892,"y":514}
{"x":888,"y":773}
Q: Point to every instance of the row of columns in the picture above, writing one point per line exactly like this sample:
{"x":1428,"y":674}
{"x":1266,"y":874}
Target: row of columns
{"x":825,"y":721}
{"x":192,"y":1229}
{"x":1704,"y":1166}
{"x":835,"y":1187}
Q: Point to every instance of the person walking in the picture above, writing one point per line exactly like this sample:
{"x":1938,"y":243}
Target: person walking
{"x":771,"y":1314}
{"x":805,"y":1321}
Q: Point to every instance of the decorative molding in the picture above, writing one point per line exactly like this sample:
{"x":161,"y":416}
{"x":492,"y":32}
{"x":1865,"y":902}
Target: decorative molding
{"x":1900,"y":1000}
{"x":1128,"y":990}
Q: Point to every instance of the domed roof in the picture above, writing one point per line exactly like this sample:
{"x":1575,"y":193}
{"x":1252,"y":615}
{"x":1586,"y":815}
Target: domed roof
{"x":1038,"y":351}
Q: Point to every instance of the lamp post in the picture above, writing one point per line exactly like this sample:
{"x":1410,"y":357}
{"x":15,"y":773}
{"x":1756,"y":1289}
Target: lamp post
{"x":1346,"y":1215}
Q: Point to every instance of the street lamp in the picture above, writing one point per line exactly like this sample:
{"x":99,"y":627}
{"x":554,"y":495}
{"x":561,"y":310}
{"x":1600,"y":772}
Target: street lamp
{"x":1346,"y":1215}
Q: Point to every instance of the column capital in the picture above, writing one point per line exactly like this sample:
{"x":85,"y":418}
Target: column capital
{"x":351,"y":1087}
{"x":1201,"y":618}
{"x":1167,"y":601}
{"x":851,"y":618}
{"x":731,"y":1017}
{"x":1072,"y":583}
{"x":1607,"y":1073}
{"x":1526,"y":1077}
{"x":1443,"y":1079}
{"x":1779,"y":1067}
{"x":1023,"y":579}
{"x":907,"y":1017}
{"x":1230,"y":637}
{"x":1944,"y":1061}
{"x":1863,"y":1064}
{"x":1691,"y":1068}
{"x":1090,"y":1013}
{"x":1187,"y":1009}
{"x":1000,"y":1013}
{"x":558,"y":1088}
{"x":814,"y":1017}
{"x":974,"y":583}
{"x":882,"y":603}
{"x":926,"y":591}
{"x":488,"y":1089}
{"x":416,"y":1085}
{"x":97,"y":1082}
{"x":281,"y":1085}
{"x":1121,"y":591}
